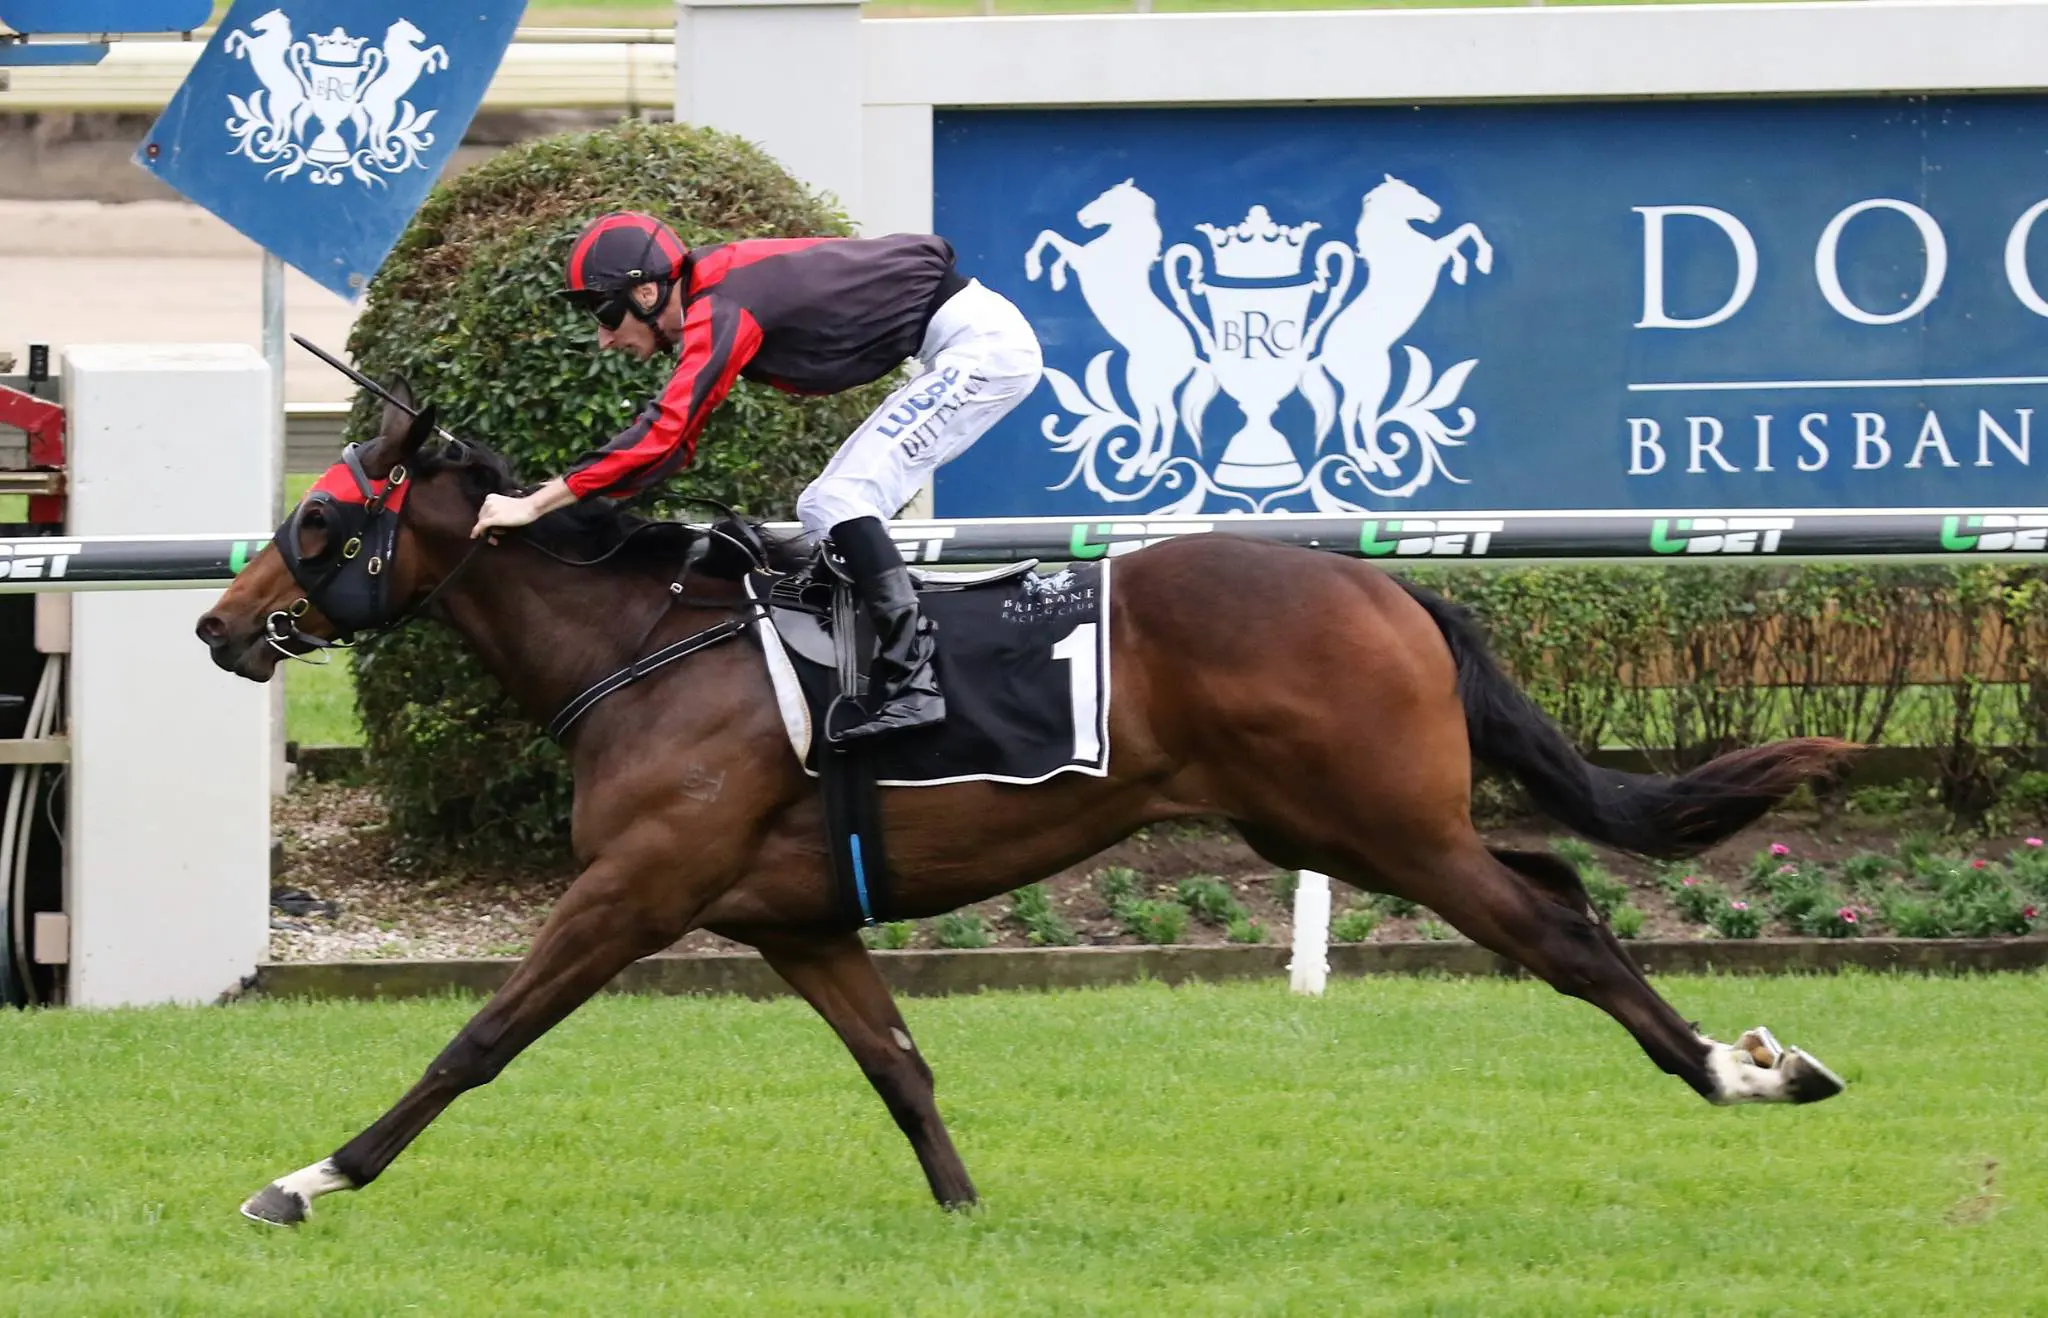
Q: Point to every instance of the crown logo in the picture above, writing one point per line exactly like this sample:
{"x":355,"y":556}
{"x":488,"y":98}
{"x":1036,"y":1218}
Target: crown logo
{"x":337,"y":47}
{"x":1258,"y":248}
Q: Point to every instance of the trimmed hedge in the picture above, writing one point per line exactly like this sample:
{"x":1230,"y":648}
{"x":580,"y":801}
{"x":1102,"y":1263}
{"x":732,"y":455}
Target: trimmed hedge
{"x":465,"y":310}
{"x":1687,"y":662}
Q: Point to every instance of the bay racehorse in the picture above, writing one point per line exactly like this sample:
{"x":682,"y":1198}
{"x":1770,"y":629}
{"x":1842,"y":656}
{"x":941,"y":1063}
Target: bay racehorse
{"x":1329,"y":711}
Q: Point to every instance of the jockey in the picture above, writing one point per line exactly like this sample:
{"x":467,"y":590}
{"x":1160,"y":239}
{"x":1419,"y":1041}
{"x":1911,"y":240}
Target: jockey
{"x":811,"y":316}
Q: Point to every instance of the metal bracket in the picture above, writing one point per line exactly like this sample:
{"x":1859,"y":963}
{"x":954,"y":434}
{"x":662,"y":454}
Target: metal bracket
{"x":43,"y":421}
{"x":35,"y":750}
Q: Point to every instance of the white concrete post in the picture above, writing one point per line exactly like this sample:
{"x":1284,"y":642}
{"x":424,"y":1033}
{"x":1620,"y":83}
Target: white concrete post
{"x":784,"y":74}
{"x":168,"y":827}
{"x":1310,"y":967}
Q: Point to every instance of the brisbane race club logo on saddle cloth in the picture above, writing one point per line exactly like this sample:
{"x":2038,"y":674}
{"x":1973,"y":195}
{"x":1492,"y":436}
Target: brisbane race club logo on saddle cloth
{"x":1024,"y":662}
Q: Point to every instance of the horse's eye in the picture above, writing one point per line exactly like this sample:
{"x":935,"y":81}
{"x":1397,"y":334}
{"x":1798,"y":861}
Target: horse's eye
{"x":313,"y":536}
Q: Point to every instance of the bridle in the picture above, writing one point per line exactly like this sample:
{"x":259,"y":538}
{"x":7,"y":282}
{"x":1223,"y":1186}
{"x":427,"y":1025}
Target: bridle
{"x":349,"y":580}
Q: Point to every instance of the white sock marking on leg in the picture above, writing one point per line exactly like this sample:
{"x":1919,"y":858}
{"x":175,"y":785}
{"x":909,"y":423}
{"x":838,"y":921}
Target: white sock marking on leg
{"x":312,"y":1182}
{"x":1739,"y":1079}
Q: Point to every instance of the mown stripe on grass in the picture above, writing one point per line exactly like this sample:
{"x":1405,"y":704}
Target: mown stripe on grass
{"x":1399,"y":1146}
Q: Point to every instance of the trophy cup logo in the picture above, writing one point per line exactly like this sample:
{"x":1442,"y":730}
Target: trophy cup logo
{"x":1258,"y":337}
{"x":333,"y":76}
{"x":1381,"y":419}
{"x":332,"y":81}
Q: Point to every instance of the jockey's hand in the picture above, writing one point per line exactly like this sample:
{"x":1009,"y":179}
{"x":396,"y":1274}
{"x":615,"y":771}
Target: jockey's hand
{"x":504,"y":512}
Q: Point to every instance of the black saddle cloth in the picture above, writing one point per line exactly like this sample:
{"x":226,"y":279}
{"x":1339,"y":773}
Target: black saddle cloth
{"x":1023,"y":662}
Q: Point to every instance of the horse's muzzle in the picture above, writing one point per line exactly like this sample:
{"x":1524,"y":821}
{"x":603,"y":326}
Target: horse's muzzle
{"x":244,"y":656}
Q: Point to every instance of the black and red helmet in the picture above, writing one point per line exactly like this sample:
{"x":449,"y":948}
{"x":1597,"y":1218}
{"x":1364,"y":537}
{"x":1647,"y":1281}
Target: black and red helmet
{"x":616,"y":253}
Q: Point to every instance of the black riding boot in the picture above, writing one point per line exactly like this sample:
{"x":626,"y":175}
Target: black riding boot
{"x":903,"y":691}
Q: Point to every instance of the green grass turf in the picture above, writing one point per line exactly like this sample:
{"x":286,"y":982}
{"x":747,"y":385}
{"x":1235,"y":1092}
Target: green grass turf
{"x":320,"y":703}
{"x":1400,"y":1146}
{"x":319,"y":699}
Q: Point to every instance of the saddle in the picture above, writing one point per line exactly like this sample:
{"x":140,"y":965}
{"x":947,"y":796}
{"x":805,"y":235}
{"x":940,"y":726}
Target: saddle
{"x":1024,"y":659}
{"x":817,"y":618}
{"x":816,"y":614}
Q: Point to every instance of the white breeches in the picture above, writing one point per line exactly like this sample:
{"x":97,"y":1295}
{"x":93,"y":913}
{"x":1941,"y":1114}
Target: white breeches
{"x":980,"y":358}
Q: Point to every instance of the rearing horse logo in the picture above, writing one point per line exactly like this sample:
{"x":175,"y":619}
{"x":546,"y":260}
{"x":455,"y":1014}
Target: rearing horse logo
{"x":1274,"y":323}
{"x":1115,"y":272}
{"x":324,"y":85}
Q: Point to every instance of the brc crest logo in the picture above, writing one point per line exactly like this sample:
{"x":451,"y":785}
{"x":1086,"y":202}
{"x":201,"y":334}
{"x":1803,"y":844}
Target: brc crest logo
{"x":1442,"y":538}
{"x":1995,"y":533}
{"x":1258,"y":315}
{"x":312,"y":88}
{"x":1718,"y":535}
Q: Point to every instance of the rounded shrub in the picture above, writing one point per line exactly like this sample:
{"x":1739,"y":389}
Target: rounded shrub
{"x":465,"y":310}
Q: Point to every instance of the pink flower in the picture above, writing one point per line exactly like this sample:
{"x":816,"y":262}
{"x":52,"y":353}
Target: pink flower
{"x":2029,"y":913}
{"x":1979,"y":864}
{"x":2033,"y":842}
{"x":1780,"y":849}
{"x":1788,"y":869}
{"x":1688,"y":882}
{"x":1738,"y":906}
{"x":1847,"y":914}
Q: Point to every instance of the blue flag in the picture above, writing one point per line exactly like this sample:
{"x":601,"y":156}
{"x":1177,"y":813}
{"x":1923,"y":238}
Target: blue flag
{"x":317,"y":129}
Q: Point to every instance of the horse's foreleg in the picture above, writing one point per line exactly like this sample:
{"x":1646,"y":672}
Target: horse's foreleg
{"x":835,"y":974}
{"x":1062,"y":249}
{"x":600,"y":927}
{"x":1482,"y":250}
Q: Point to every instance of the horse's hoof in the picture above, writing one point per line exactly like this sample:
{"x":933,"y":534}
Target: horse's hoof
{"x":274,"y":1205}
{"x":1806,"y":1079}
{"x":1762,"y":1047}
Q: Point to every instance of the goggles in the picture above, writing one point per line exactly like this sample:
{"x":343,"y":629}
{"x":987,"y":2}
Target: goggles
{"x":609,"y":308}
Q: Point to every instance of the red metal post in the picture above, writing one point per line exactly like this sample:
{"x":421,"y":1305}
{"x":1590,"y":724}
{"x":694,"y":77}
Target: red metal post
{"x":44,"y":423}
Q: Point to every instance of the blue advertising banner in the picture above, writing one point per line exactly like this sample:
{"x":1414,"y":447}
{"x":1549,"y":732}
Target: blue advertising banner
{"x":104,"y":15}
{"x":318,"y":130}
{"x":1792,"y":304}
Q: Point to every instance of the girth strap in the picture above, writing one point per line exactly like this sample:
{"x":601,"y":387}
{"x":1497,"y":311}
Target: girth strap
{"x":846,"y":777}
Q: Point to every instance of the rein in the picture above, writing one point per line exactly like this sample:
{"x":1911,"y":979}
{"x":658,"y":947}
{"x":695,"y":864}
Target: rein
{"x":374,"y":511}
{"x":648,"y":664}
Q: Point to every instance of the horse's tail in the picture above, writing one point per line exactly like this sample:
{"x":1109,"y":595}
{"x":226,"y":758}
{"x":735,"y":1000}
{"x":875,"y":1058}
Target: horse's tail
{"x":1649,"y":814}
{"x":1195,"y":400}
{"x":1321,"y":394}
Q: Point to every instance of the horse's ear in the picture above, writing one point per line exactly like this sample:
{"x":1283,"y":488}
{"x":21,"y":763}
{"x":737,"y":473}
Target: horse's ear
{"x":397,"y":420}
{"x":416,"y":435}
{"x":402,"y":434}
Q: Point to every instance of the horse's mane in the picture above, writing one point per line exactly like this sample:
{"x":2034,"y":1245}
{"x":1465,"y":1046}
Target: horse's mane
{"x":626,"y":540}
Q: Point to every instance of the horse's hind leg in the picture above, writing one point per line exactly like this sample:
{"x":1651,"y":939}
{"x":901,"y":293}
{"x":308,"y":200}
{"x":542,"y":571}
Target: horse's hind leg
{"x":1755,"y":1070}
{"x":1531,"y":908}
{"x":835,"y":974}
{"x":597,"y":929}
